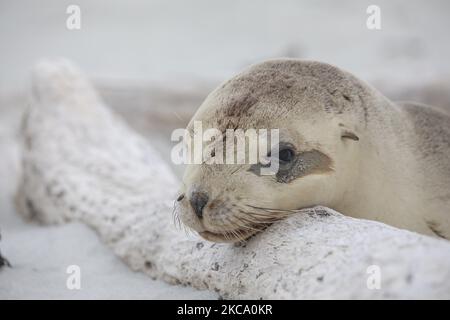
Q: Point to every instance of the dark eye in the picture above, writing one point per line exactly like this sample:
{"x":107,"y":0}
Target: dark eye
{"x":286,"y":155}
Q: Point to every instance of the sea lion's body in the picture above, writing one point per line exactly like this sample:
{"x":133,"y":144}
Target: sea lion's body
{"x":373,"y":158}
{"x":429,"y":133}
{"x":414,"y":176}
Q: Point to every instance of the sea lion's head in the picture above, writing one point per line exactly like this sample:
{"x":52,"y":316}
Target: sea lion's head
{"x":313,"y":106}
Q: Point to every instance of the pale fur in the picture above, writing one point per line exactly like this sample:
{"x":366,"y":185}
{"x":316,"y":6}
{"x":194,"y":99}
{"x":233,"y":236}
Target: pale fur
{"x":397,"y":173}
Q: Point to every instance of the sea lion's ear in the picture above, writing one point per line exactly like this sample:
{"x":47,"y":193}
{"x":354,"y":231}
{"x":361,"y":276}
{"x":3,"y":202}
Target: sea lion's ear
{"x":348,"y":134}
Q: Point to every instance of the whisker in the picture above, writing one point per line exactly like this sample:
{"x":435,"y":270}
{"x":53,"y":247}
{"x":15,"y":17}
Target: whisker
{"x":244,"y":225}
{"x":248,"y":217}
{"x":236,"y":232}
{"x":266,"y":216}
{"x":242,"y":239}
{"x":273,"y":217}
{"x":272,"y":209}
{"x":235,"y":235}
{"x":250,"y":225}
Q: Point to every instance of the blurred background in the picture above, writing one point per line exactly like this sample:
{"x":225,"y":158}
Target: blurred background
{"x":154,"y":62}
{"x":204,"y":40}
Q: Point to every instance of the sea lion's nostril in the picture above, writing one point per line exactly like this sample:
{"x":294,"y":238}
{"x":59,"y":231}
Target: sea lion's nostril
{"x":198,"y":202}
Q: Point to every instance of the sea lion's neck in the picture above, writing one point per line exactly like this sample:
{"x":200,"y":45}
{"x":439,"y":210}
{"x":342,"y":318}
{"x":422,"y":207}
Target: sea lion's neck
{"x":387,"y":175}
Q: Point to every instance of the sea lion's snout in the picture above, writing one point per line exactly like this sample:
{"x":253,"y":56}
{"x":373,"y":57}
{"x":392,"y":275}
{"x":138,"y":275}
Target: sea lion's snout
{"x":198,"y":201}
{"x":215,"y":217}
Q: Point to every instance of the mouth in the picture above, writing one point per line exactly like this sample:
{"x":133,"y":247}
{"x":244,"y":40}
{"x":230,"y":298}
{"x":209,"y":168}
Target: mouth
{"x":232,"y":236}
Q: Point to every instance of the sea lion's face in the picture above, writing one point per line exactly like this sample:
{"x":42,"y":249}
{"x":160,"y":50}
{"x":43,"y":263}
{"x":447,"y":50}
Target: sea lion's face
{"x":231,"y":202}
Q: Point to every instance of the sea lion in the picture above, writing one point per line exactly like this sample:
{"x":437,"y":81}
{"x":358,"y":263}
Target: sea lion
{"x":342,"y":145}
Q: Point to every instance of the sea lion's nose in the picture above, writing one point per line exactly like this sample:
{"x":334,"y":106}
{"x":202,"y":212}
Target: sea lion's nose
{"x":198,"y":201}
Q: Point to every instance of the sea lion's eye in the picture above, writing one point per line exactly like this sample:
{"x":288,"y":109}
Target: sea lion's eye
{"x":286,"y":155}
